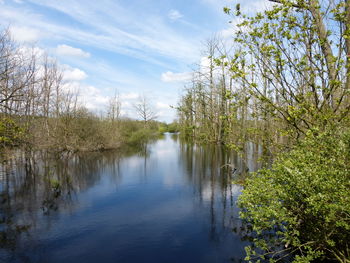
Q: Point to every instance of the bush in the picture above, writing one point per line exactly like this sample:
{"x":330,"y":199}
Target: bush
{"x":139,"y":137}
{"x":11,"y":133}
{"x":300,"y":208}
{"x":171,"y":128}
{"x":163,"y":128}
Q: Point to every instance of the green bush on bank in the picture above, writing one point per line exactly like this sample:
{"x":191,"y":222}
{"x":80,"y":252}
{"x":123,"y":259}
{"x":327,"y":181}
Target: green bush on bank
{"x":171,"y":128}
{"x":11,"y":133}
{"x":300,"y":208}
{"x":139,"y":137}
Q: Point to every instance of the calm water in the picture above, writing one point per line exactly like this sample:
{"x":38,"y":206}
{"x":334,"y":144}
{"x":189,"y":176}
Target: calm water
{"x":170,"y":202}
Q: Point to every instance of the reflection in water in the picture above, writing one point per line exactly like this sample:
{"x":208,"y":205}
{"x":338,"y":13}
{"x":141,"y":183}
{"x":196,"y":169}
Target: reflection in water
{"x":38,"y":183}
{"x":169,"y":198}
{"x":212,"y":170}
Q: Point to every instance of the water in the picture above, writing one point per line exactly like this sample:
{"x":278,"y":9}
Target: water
{"x":170,"y":202}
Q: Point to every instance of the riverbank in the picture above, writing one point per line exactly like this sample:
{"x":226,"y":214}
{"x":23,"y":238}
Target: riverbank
{"x":79,"y":132}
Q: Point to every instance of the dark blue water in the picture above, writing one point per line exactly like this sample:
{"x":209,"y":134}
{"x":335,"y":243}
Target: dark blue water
{"x":169,"y":202}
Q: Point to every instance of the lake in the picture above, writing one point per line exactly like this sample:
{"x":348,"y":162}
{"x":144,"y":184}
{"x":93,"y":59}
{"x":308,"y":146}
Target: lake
{"x":171,"y":201}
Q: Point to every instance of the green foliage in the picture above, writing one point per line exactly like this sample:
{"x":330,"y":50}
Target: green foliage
{"x":134,"y":133}
{"x":292,"y":65}
{"x":163,"y":128}
{"x":10,"y":132}
{"x":139,"y":137}
{"x":172,"y":127}
{"x":300,"y":207}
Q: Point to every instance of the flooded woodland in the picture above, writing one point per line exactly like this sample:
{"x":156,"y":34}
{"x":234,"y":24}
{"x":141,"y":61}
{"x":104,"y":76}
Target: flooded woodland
{"x":94,"y":97}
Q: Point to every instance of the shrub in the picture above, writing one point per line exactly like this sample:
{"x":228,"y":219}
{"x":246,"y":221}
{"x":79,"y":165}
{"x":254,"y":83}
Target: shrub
{"x":10,"y":132}
{"x":139,"y":137}
{"x":300,"y":208}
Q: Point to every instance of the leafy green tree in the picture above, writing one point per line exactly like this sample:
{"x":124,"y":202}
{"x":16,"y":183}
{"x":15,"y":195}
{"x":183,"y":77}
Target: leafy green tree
{"x":295,"y":59}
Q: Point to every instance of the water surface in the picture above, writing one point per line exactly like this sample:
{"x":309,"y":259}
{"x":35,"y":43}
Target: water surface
{"x":169,"y":202}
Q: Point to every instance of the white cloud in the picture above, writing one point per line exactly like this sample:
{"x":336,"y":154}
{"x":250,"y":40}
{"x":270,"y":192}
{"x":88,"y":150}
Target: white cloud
{"x":205,"y":63}
{"x":73,"y":74}
{"x":18,"y":1}
{"x":126,"y":104}
{"x":161,"y":105}
{"x":174,"y":14}
{"x":96,"y":100}
{"x":92,"y":98}
{"x":176,"y":77}
{"x":227,"y":33}
{"x":24,"y":34}
{"x":72,"y":87}
{"x":205,"y":69}
{"x":65,"y":50}
{"x":129,"y":96}
{"x":258,"y":6}
{"x":88,"y":95}
{"x":29,"y":51}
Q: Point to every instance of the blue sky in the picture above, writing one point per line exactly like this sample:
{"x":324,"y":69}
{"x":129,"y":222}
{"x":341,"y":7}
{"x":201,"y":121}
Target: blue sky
{"x":133,"y":47}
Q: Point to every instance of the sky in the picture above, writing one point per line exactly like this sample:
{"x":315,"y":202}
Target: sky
{"x":131,"y":47}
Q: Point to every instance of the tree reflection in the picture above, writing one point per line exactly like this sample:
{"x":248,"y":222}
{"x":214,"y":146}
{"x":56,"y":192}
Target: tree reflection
{"x":36,"y":187}
{"x":214,"y":172}
{"x":36,"y":184}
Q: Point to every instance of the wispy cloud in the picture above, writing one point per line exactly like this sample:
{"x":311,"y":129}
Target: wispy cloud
{"x":65,"y":50}
{"x":218,"y":5}
{"x":129,"y":96}
{"x":176,"y":77}
{"x":161,"y":105}
{"x":73,"y":74}
{"x":124,"y":33}
{"x":174,"y":14}
{"x":25,"y":34}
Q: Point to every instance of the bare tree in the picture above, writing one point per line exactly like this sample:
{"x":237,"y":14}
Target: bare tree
{"x":114,"y":108}
{"x":145,"y":110}
{"x":17,"y":73}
